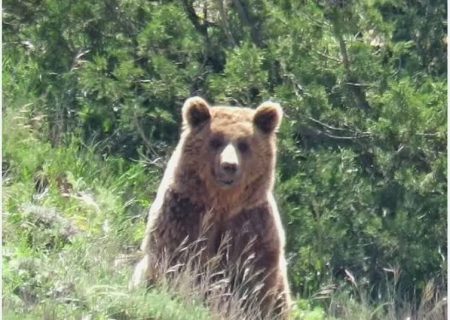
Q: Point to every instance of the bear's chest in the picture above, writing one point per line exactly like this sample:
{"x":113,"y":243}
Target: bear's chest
{"x":181,"y":217}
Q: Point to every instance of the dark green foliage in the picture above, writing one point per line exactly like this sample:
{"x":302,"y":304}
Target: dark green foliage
{"x":362,"y":160}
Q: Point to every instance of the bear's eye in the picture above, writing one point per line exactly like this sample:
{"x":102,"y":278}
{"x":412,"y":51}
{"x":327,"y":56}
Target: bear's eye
{"x":243,"y":147}
{"x":216,"y":143}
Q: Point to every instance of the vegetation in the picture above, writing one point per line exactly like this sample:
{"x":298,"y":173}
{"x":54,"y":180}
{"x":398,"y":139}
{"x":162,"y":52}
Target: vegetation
{"x":92,"y":93}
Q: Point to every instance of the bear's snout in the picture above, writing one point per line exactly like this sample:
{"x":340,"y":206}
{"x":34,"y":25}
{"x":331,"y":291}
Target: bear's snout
{"x":229,"y":168}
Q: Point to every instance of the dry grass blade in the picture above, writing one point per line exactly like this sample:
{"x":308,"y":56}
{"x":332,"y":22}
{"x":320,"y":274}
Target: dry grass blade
{"x":230,"y":293}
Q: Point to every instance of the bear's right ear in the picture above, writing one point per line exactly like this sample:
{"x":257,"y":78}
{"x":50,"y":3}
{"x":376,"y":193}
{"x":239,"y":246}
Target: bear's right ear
{"x":268,"y":117}
{"x":195,"y":111}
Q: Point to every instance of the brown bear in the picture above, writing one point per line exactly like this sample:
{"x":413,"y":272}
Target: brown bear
{"x":222,"y":172}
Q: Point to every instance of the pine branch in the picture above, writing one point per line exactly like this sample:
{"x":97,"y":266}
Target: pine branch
{"x":200,"y":27}
{"x":244,"y":15}
{"x":224,"y":21}
{"x":359,"y":94}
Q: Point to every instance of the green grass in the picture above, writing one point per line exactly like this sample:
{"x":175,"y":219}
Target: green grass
{"x":69,"y":247}
{"x":69,"y":244}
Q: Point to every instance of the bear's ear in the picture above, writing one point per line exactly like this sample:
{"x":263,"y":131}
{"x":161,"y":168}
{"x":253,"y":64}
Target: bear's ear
{"x":268,"y":117}
{"x":195,"y":111}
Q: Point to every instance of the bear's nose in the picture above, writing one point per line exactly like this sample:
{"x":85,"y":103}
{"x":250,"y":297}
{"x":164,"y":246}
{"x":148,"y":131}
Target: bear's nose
{"x":229,"y":168}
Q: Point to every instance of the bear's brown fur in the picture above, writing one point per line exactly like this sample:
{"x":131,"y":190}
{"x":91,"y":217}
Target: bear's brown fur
{"x":222,"y":171}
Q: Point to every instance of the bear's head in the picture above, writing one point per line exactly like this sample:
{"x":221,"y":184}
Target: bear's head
{"x":230,"y":148}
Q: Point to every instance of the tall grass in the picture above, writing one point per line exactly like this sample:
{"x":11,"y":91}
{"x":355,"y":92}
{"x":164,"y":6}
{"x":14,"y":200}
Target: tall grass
{"x":354,"y":300}
{"x":230,"y":291}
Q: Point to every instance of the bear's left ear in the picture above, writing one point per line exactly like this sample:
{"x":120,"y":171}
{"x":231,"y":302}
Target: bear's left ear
{"x":268,"y":117}
{"x":195,"y":111}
